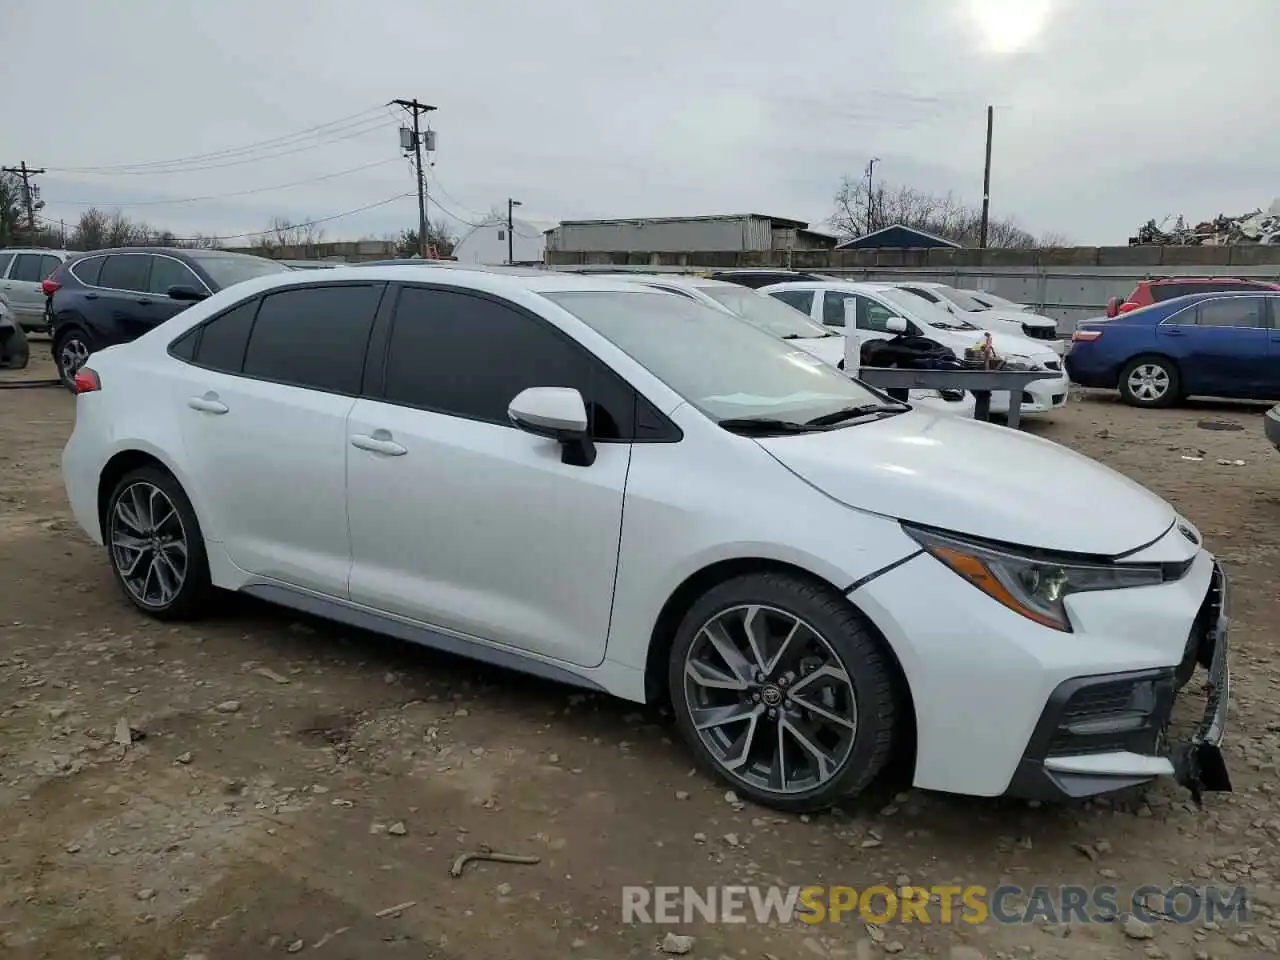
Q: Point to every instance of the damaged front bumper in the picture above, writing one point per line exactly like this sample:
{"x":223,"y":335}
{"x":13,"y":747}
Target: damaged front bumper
{"x":1105,"y":733}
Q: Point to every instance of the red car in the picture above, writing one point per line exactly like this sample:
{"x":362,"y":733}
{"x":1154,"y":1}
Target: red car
{"x":1148,"y":292}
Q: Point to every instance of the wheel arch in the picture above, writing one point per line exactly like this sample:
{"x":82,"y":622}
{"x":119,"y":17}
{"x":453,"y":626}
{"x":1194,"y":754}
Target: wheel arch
{"x":698,"y":583}
{"x":132,"y":458}
{"x":1151,"y":355}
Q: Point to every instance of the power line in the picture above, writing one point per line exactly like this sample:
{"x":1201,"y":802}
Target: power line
{"x":263,"y":233}
{"x":379,"y":125}
{"x":225,"y":196}
{"x":216,"y":154}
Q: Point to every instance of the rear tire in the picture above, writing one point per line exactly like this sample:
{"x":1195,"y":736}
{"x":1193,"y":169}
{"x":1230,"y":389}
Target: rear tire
{"x":1150,"y":382}
{"x":782,"y":691}
{"x":70,"y":350}
{"x":155,"y":546}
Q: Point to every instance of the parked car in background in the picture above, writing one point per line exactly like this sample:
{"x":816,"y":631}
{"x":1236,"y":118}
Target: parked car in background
{"x":22,"y":273}
{"x":786,"y":323}
{"x":763,"y":277}
{"x":310,"y":264}
{"x":14,"y":349}
{"x":878,"y":302}
{"x":1148,"y":292}
{"x":1271,"y":425}
{"x":113,"y":296}
{"x":965,"y":305}
{"x":639,"y":494}
{"x":1207,"y":344}
{"x":990,"y":300}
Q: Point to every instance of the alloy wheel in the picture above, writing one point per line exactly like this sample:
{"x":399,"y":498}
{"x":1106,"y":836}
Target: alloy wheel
{"x":1148,"y":382}
{"x":148,"y":544}
{"x":770,"y":699}
{"x":72,"y":354}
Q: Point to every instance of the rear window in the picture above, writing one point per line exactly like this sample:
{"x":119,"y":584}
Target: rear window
{"x":87,"y":270}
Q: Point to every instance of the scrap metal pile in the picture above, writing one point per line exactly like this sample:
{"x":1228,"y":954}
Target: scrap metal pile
{"x":1260,"y":226}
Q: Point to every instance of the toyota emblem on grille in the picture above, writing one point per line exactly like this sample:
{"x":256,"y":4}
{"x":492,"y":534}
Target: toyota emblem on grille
{"x":1188,"y":533}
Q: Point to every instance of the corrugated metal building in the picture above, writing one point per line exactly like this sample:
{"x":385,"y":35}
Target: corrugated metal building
{"x":730,"y":232}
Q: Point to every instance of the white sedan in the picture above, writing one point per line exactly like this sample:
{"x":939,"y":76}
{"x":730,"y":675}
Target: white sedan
{"x":877,"y":303}
{"x":545,"y":472}
{"x":1015,"y":319}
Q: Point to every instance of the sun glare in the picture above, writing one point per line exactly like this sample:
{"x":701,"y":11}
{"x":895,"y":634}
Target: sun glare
{"x":1008,"y":26}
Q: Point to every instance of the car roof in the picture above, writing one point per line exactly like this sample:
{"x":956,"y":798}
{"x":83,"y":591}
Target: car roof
{"x":493,"y":280}
{"x":675,"y":279}
{"x":64,"y":253}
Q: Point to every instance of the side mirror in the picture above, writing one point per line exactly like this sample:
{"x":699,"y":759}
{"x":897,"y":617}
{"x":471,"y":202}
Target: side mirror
{"x":183,"y":292}
{"x":557,"y":413}
{"x":895,"y":325}
{"x":850,"y":313}
{"x":1113,"y":307}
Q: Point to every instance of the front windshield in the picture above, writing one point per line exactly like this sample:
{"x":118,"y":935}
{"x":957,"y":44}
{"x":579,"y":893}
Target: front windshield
{"x":226,"y":269}
{"x":726,"y":368}
{"x":768,"y":313}
{"x":917,"y":308}
{"x":961,"y":299}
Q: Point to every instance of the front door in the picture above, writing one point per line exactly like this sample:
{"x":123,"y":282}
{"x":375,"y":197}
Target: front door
{"x":1225,"y":352}
{"x":167,"y":272}
{"x":463,"y":522}
{"x":263,"y":408}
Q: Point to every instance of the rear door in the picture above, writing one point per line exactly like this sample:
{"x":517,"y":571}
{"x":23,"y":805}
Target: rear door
{"x":124,"y":296}
{"x":22,"y":289}
{"x":1222,"y":345}
{"x":263,"y":407}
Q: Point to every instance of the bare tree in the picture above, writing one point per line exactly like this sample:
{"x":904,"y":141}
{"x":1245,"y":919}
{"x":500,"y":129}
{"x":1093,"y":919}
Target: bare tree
{"x":944,"y":215}
{"x":90,"y":231}
{"x":1055,"y":238}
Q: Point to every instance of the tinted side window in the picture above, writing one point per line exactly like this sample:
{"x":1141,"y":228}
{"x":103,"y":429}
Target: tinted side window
{"x":87,"y":270}
{"x":800,"y":299}
{"x":125,"y":271}
{"x":1233,"y":312}
{"x":26,"y":268}
{"x":5,"y":259}
{"x":184,"y":348}
{"x":224,"y":338}
{"x":314,"y":337}
{"x":166,"y":273}
{"x":833,"y":308}
{"x":469,"y":356}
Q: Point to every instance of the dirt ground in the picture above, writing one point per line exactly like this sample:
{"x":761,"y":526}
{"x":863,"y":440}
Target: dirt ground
{"x":287,"y":781}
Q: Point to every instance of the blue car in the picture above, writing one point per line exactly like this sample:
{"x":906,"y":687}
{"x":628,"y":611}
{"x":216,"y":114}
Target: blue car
{"x":1206,"y":344}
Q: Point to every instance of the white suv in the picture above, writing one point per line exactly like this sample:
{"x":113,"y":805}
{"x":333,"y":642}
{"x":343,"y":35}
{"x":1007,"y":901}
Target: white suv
{"x":637,"y":493}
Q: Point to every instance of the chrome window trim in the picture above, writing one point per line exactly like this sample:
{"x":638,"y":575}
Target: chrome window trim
{"x":1262,"y":295}
{"x":130,"y":253}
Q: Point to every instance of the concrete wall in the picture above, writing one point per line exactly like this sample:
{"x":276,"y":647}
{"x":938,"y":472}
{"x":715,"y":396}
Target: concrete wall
{"x":1068,"y":284}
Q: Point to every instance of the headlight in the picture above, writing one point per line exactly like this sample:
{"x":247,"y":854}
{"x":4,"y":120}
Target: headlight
{"x":1031,"y":583}
{"x":1017,"y":361}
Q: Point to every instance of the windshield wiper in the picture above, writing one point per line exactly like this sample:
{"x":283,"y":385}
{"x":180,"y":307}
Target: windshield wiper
{"x":850,"y":413}
{"x":766,"y":425}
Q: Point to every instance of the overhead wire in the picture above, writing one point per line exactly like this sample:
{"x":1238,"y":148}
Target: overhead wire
{"x":318,"y":130}
{"x":225,"y":196}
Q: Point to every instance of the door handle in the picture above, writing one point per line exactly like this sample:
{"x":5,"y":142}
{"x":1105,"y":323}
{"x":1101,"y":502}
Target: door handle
{"x":375,"y":444}
{"x":207,"y":404}
{"x":1174,"y":332}
{"x":145,"y":301}
{"x":91,"y":296}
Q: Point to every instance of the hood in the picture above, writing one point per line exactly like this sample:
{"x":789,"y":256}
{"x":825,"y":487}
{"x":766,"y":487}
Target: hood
{"x":827,"y":349}
{"x":1005,"y":344}
{"x":978,"y":479}
{"x":1016,"y":316}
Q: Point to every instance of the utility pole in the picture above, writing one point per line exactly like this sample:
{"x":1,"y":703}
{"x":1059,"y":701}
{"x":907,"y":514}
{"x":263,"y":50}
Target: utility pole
{"x":29,"y":192}
{"x":871,"y":170}
{"x":417,"y":109}
{"x":986,"y":181}
{"x":511,"y":205}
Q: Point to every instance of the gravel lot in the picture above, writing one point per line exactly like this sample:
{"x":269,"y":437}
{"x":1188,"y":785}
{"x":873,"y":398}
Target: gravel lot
{"x":286,"y":781}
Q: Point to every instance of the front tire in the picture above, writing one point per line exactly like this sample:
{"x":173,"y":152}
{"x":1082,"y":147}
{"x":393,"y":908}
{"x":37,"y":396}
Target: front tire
{"x":155,"y":546}
{"x":782,"y":691}
{"x":1150,"y":382}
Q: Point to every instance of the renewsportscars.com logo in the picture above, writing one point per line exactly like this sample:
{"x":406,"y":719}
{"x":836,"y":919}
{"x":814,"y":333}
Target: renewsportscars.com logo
{"x":943,"y":904}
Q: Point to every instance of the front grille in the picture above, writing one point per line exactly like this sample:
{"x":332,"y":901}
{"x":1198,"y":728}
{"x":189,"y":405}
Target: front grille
{"x":1122,"y":714}
{"x":1039,"y":333}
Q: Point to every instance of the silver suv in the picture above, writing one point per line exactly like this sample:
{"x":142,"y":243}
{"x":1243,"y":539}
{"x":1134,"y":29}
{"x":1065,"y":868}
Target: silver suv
{"x":22,"y":273}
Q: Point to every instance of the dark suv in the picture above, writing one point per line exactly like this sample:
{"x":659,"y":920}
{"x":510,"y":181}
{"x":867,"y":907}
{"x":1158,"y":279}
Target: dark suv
{"x":114,"y":296}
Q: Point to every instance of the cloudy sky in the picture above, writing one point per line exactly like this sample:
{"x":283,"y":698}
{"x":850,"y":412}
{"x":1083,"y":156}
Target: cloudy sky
{"x":1108,"y":112}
